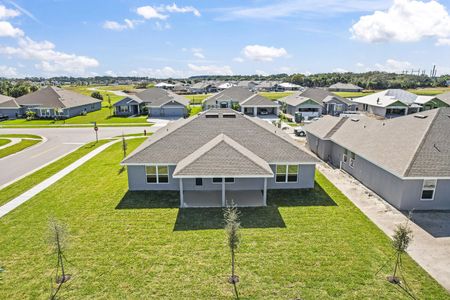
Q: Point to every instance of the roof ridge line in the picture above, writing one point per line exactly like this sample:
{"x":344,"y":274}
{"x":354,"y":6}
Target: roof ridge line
{"x":422,"y":141}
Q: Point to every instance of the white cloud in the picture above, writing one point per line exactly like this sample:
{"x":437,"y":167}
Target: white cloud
{"x":238,"y":59}
{"x":6,"y":13}
{"x":282,"y":9}
{"x":164,"y":72}
{"x":176,"y":9}
{"x":360,"y":65}
{"x":49,"y":60}
{"x":210,"y":70}
{"x":394,"y":66}
{"x":198,"y":52}
{"x":8,"y":72}
{"x":162,"y":26}
{"x":263,"y":53}
{"x":340,"y":70}
{"x":113,"y":25}
{"x":149,"y":12}
{"x":261,"y":73}
{"x":404,"y":21}
{"x":7,"y":30}
{"x":443,"y":42}
{"x":111,"y":73}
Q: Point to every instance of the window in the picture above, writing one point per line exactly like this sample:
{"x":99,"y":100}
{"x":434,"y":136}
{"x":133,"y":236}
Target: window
{"x":157,"y":174}
{"x":428,"y":188}
{"x":219,"y":180}
{"x":198,"y":181}
{"x":286,"y":173}
{"x":352,"y":159}
{"x":123,"y":108}
{"x":345,"y":156}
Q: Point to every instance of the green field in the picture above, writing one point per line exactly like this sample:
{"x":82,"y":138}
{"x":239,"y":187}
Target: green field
{"x":131,"y":245}
{"x":10,"y":192}
{"x":22,"y":145}
{"x":4,"y":142}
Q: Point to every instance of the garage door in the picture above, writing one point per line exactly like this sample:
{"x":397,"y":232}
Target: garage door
{"x":173,"y":112}
{"x":155,"y":112}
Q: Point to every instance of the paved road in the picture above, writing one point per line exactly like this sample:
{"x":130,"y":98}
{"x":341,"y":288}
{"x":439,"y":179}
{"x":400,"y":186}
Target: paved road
{"x":57,"y":142}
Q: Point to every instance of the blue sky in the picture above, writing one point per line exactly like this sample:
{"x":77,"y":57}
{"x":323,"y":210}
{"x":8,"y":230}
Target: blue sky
{"x":183,"y":38}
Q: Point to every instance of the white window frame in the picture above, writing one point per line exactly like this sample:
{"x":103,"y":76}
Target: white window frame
{"x":428,"y":189}
{"x":47,"y":111}
{"x":345,"y":156}
{"x":287,"y":173}
{"x":157,"y":174}
{"x":351,"y":161}
{"x":124,"y":108}
{"x":212,"y":180}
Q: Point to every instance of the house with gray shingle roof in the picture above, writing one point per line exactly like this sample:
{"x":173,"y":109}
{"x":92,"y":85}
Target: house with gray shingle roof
{"x":217,"y":157}
{"x":157,"y":102}
{"x":405,"y":160}
{"x":242,"y":99}
{"x":9,"y":108}
{"x":51,"y":102}
{"x":314,"y":102}
{"x":345,"y":87}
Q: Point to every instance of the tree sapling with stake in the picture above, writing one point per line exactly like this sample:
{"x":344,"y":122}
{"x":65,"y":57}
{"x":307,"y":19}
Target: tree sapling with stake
{"x":232,"y":226}
{"x":58,"y":243}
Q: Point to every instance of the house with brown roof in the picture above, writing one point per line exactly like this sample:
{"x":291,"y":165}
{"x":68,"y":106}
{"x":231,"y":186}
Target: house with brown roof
{"x":405,"y":160}
{"x":51,"y":102}
{"x":217,"y":157}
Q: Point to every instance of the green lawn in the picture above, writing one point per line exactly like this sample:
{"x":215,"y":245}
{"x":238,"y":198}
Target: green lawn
{"x":197,"y":98}
{"x":26,"y":183}
{"x":195,"y":109}
{"x":129,"y":245}
{"x":4,"y":142}
{"x":353,"y":94}
{"x":275,"y":95}
{"x":19,"y":135}
{"x":22,"y":145}
{"x":430,"y":91}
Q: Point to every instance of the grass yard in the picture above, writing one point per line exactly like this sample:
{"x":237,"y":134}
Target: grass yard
{"x":19,"y":135}
{"x":353,"y":94}
{"x":309,"y":244}
{"x":26,"y":183}
{"x":195,"y":109}
{"x":22,"y":145}
{"x":430,"y":91}
{"x":197,"y":98}
{"x":275,"y":95}
{"x":4,"y":142}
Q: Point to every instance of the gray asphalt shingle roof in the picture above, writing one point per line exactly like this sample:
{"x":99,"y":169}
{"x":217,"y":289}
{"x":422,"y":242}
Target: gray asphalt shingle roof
{"x":154,"y":97}
{"x":258,"y":100}
{"x":235,"y":93}
{"x":8,"y":102}
{"x":345,"y":86}
{"x":319,"y":96}
{"x":54,"y":97}
{"x":407,"y":146}
{"x":209,"y":160}
{"x":445,"y":97}
{"x":179,"y":139}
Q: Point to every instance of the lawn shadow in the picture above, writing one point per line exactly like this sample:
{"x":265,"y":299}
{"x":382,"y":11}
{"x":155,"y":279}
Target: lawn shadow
{"x":212,"y":218}
{"x":149,"y":199}
{"x":300,"y":197}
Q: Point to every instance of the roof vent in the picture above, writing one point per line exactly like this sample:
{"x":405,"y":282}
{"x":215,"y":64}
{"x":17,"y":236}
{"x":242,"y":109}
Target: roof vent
{"x":420,"y":116}
{"x":211,"y":116}
{"x":354,"y":119}
{"x":229,"y":115}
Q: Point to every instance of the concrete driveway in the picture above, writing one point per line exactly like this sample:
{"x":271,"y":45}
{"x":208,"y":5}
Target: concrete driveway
{"x":57,"y":142}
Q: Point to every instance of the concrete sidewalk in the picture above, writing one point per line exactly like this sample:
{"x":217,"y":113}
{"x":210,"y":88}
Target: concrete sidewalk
{"x":16,"y":202}
{"x":431,"y":253}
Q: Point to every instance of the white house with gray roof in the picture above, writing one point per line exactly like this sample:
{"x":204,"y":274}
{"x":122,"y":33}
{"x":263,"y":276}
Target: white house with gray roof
{"x":242,"y":99}
{"x":219,"y":156}
{"x":157,"y":102}
{"x":404,"y":160}
{"x":393,"y":103}
{"x":9,"y":108}
{"x":345,"y":87}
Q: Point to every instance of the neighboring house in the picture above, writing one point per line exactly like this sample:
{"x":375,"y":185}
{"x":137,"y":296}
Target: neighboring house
{"x":51,"y":102}
{"x":267,"y":86}
{"x":345,"y":87}
{"x":9,"y":108}
{"x":181,"y":89}
{"x":314,"y":102}
{"x":287,"y":86}
{"x":217,"y":157}
{"x":396,"y":102}
{"x":156,"y":102}
{"x":404,"y":160}
{"x":247,"y":84}
{"x":164,"y":85}
{"x":445,"y":97}
{"x":242,"y":99}
{"x":224,"y":85}
{"x":203,"y":88}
